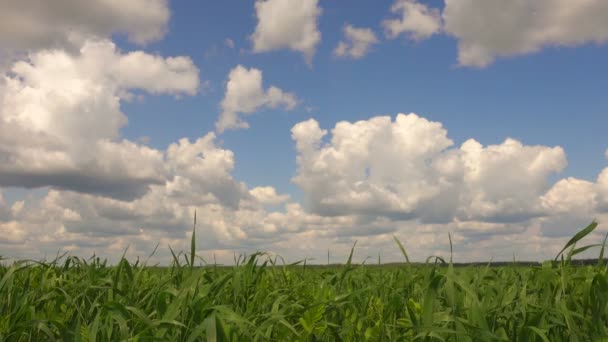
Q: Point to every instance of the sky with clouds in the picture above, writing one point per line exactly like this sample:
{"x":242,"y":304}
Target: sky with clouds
{"x":302,"y":126}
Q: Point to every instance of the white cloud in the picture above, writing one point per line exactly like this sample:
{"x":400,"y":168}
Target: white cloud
{"x":38,"y":24}
{"x":229,"y":43}
{"x":570,"y":205}
{"x":357,"y":43}
{"x":602,"y":189}
{"x":349,"y":174}
{"x":417,"y":21}
{"x":198,"y":178}
{"x":404,"y":169}
{"x":570,"y":195}
{"x":489,"y":29}
{"x":426,"y":187}
{"x":61,"y":117}
{"x":522,"y":170}
{"x":11,"y":233}
{"x":268,"y":195}
{"x":245,"y":95}
{"x":290,"y":24}
{"x":201,"y":173}
{"x":229,"y":214}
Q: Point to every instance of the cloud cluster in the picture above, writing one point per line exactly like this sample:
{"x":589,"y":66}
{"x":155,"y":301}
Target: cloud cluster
{"x":245,"y":94}
{"x":199,"y":178}
{"x":40,"y":24}
{"x":268,"y":195}
{"x":486,"y":30}
{"x":60,"y":118}
{"x":364,"y":180}
{"x":60,"y":122}
{"x":417,"y":21}
{"x":406,"y":169}
{"x":489,"y":29}
{"x":290,"y":24}
{"x":357,"y":43}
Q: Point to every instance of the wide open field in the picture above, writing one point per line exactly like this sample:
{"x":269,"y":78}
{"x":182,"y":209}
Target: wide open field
{"x":73,"y":299}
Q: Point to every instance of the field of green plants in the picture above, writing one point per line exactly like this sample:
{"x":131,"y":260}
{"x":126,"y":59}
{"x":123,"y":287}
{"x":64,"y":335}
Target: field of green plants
{"x":73,"y":299}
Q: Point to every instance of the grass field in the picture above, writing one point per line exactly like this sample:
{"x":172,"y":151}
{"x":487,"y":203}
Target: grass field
{"x":73,"y":299}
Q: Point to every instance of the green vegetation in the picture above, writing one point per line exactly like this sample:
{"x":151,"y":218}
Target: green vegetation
{"x":257,"y":300}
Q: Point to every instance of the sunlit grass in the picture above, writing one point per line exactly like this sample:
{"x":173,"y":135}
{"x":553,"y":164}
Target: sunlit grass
{"x":73,"y":299}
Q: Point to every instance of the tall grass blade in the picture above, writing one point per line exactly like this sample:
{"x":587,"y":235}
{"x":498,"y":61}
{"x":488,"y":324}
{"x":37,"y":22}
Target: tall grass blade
{"x":407,"y":259}
{"x":451,"y":249}
{"x":193,"y":243}
{"x":600,"y":260}
{"x":350,"y":256}
{"x":577,"y":237}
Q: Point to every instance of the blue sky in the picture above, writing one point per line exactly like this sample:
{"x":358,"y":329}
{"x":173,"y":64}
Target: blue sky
{"x":553,"y":97}
{"x":486,"y":73}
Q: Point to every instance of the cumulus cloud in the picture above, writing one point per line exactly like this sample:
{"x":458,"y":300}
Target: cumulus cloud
{"x":40,"y":24}
{"x":268,"y":195}
{"x":198,"y":178}
{"x":522,"y":170}
{"x":245,"y":94}
{"x":571,"y":195}
{"x":489,"y":29}
{"x":406,"y":169}
{"x":349,"y":175}
{"x":602,"y":188}
{"x":417,"y":21}
{"x":201,"y":173}
{"x":365,"y":180}
{"x":290,"y":24}
{"x":60,"y":118}
{"x":357,"y":43}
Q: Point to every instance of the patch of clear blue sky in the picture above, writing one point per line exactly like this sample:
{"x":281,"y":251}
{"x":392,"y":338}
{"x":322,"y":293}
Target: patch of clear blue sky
{"x":555,"y":97}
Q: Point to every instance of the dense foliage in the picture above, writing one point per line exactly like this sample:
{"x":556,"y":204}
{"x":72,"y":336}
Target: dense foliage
{"x":257,"y":300}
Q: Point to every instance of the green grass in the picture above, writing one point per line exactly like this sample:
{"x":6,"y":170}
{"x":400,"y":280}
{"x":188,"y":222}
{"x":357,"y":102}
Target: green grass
{"x":73,"y":299}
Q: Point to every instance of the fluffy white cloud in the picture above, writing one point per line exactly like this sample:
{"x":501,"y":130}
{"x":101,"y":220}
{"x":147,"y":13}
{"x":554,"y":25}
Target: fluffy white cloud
{"x":570,"y":204}
{"x":602,"y":189}
{"x":60,"y":118}
{"x":417,"y":21}
{"x":403,"y":169}
{"x":290,"y":24}
{"x":11,"y":233}
{"x":522,"y":170}
{"x":198,"y":178}
{"x":268,"y":195}
{"x":350,"y":175}
{"x":201,"y":173}
{"x":426,"y":188}
{"x":487,"y":29}
{"x":357,"y":43}
{"x":570,"y":195}
{"x":40,"y":24}
{"x":245,"y":94}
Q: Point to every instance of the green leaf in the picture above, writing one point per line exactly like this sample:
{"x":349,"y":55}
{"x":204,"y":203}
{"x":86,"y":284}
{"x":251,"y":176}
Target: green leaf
{"x":601,"y":258}
{"x":577,"y":237}
{"x":193,"y":243}
{"x":541,"y":333}
{"x":402,"y":249}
